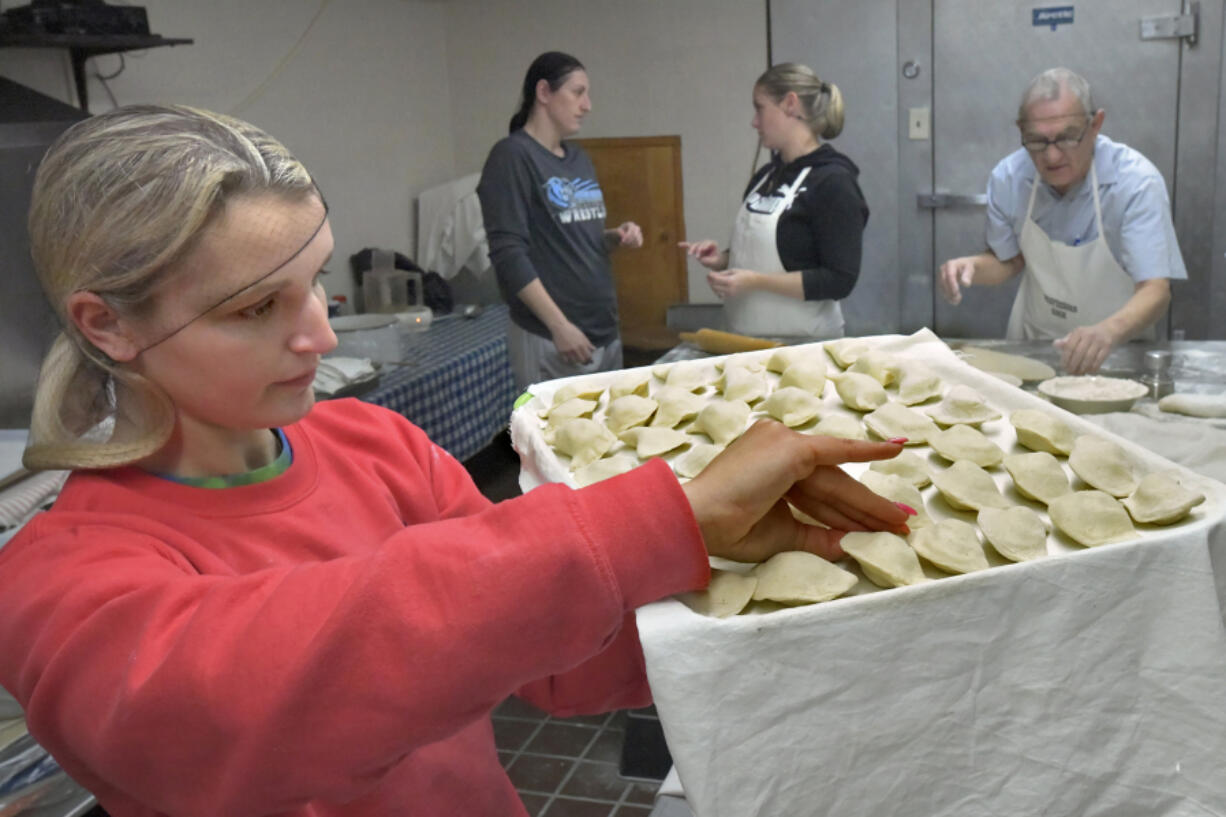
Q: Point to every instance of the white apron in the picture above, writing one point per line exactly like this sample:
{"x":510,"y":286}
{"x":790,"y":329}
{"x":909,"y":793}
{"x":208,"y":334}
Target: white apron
{"x":1066,"y":287}
{"x":754,"y":247}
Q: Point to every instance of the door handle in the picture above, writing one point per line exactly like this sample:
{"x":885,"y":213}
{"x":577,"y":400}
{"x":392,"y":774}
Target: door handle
{"x":937,"y":201}
{"x":1174,"y":27}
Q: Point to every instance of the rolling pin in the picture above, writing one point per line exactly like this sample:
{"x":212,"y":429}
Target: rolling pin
{"x":722,"y":343}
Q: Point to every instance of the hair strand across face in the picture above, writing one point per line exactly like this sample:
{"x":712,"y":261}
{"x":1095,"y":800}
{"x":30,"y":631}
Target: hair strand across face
{"x":118,"y":200}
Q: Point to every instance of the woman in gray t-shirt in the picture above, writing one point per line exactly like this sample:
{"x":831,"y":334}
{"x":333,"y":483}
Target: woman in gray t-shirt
{"x":544,"y":217}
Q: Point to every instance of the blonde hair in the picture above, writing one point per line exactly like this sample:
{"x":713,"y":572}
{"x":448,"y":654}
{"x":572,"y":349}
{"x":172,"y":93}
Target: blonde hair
{"x":820,"y":102}
{"x":118,"y":200}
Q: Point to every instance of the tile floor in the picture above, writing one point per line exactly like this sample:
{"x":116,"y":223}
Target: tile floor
{"x":569,"y":767}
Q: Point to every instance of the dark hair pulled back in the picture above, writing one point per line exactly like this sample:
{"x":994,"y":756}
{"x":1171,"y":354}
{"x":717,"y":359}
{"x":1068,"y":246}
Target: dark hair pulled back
{"x":552,"y":66}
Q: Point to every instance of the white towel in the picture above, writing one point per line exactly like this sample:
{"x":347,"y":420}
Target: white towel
{"x":450,"y":229}
{"x":335,"y":373}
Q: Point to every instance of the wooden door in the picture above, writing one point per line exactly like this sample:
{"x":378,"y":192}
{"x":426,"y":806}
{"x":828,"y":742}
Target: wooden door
{"x":641,"y":180}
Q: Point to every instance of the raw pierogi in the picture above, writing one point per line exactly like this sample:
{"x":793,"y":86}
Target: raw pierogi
{"x":962,"y":404}
{"x":1038,"y":475}
{"x":896,"y":420}
{"x":964,"y":442}
{"x":797,"y":577}
{"x":886,"y":558}
{"x":1091,"y":518}
{"x":1016,"y":533}
{"x":1042,"y":431}
{"x":792,"y":406}
{"x":908,"y":466}
{"x":1160,"y":499}
{"x":859,"y":391}
{"x":968,"y":487}
{"x":1103,"y":465}
{"x":950,"y":544}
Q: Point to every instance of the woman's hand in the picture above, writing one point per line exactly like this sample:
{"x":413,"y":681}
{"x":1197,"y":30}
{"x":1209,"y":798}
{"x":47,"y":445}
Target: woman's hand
{"x":732,"y":282}
{"x":741,"y":499}
{"x":705,"y":252}
{"x":627,"y":234}
{"x":571,"y":343}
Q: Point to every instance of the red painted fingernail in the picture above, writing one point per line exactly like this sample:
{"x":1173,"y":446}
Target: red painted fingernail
{"x":910,"y":511}
{"x":897,"y":440}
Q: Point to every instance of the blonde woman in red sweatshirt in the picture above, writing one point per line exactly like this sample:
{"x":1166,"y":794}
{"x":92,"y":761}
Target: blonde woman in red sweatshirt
{"x":244,"y":604}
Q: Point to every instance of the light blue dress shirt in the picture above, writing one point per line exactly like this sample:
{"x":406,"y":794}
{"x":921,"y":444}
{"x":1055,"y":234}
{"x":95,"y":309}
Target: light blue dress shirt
{"x":1136,"y":210}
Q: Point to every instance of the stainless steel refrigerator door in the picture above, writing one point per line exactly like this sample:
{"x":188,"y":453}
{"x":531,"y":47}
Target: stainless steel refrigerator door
{"x":983,"y":54}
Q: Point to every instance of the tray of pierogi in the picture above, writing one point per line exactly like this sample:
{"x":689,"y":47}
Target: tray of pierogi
{"x":1048,"y":639}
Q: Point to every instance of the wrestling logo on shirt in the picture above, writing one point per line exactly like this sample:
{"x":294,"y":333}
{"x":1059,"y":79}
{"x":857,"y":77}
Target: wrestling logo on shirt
{"x":575,"y":199}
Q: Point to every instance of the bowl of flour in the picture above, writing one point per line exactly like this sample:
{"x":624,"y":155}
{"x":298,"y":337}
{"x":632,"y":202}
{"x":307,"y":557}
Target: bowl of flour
{"x":1092,"y":394}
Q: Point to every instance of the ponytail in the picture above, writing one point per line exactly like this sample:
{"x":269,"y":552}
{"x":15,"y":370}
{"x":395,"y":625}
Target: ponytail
{"x":821,"y":102}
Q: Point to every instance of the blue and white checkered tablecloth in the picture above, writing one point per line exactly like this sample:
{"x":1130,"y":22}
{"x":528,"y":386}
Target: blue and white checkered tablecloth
{"x":458,"y":386}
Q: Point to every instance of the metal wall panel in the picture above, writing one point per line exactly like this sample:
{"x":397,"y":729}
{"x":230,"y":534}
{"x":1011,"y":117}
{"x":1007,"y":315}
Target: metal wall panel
{"x":1171,"y":113}
{"x":913,"y":65}
{"x":1198,"y":306}
{"x":984,"y":53}
{"x":853,"y":46}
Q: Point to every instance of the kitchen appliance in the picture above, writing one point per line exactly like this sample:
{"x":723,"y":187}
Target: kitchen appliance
{"x":77,"y":17}
{"x":416,"y":316}
{"x":386,"y":290}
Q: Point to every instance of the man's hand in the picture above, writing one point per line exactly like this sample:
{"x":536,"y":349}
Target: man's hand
{"x":705,"y":252}
{"x":741,"y":499}
{"x":732,"y":282}
{"x":984,"y":269}
{"x":571,"y":343}
{"x":1083,"y":350}
{"x":955,"y":274}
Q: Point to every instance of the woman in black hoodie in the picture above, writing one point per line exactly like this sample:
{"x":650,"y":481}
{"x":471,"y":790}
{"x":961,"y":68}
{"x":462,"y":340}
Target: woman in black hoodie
{"x":796,"y":243}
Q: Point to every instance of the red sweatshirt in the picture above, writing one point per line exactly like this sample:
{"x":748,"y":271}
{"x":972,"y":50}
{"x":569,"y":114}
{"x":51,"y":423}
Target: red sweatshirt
{"x":332,"y":641}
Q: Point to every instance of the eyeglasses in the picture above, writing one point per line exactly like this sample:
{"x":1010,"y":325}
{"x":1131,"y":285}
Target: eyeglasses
{"x":1037,"y":144}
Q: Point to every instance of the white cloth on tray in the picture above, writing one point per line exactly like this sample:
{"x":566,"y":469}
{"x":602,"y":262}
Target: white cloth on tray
{"x":1198,"y":444}
{"x":1091,"y":682}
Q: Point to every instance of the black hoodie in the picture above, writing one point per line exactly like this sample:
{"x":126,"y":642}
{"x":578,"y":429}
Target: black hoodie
{"x":820,"y":235}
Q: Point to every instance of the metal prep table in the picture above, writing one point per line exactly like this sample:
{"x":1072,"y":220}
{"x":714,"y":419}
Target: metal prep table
{"x":1197,"y":366}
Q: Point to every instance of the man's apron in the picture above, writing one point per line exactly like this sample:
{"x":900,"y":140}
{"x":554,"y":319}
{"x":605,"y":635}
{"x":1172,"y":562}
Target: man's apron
{"x":1066,"y":287}
{"x":754,"y":247}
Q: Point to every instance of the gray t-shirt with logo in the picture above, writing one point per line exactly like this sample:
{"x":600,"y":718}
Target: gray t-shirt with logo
{"x":544,"y":218}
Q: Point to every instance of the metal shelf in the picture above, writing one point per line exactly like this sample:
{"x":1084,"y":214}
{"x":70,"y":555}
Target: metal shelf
{"x":83,"y":46}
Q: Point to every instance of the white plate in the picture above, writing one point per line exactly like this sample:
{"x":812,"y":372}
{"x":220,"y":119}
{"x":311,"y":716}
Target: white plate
{"x":370,"y":335}
{"x":1093,"y":394}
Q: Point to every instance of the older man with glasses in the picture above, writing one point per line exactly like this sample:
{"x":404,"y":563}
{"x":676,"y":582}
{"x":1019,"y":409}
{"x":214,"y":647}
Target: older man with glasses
{"x":1087,"y":221}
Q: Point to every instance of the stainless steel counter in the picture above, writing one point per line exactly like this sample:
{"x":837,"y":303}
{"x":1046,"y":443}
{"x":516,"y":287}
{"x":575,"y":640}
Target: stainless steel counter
{"x":1196,"y":365}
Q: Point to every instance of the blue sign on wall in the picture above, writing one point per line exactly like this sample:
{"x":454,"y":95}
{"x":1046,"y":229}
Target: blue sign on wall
{"x":1052,"y":16}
